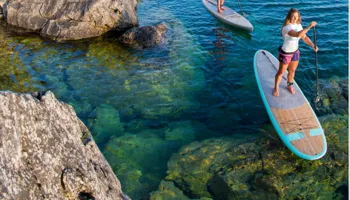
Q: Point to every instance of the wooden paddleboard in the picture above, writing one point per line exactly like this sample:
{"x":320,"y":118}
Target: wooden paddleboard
{"x":228,"y":16}
{"x":291,"y":114}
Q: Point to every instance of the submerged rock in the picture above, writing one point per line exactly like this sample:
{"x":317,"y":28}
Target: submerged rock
{"x":144,"y":37}
{"x":106,"y":124}
{"x":167,"y":190}
{"x":1,"y":12}
{"x":46,"y":152}
{"x":334,"y":97}
{"x":194,"y":167}
{"x":344,"y":85}
{"x":71,"y":20}
{"x":168,"y":92}
{"x":231,"y":168}
{"x":14,"y":75}
{"x":139,"y":160}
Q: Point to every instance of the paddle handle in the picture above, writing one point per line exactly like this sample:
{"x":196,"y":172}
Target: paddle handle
{"x":315,"y":43}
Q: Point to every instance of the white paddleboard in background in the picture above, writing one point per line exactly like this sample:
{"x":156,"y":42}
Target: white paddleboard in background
{"x":291,"y":114}
{"x":228,"y":16}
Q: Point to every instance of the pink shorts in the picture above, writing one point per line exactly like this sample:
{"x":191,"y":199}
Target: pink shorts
{"x":286,"y":58}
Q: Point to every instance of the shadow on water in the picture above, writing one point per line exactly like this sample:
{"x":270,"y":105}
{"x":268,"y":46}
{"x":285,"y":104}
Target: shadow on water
{"x":16,"y":31}
{"x":219,"y":99}
{"x":237,"y":32}
{"x":221,"y":45}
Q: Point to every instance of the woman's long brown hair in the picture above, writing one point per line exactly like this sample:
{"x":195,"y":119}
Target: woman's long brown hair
{"x":289,"y":17}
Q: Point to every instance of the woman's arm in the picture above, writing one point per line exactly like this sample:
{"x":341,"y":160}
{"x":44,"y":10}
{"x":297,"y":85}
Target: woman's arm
{"x":307,"y":40}
{"x":303,"y":32}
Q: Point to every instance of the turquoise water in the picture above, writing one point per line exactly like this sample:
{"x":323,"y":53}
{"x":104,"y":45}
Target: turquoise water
{"x":143,"y":105}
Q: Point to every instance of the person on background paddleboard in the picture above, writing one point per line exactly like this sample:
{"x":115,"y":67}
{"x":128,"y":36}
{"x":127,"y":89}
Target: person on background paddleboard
{"x":220,"y":4}
{"x":289,"y":53}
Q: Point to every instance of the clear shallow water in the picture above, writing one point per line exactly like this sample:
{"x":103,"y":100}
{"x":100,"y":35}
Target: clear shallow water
{"x":142,"y":106}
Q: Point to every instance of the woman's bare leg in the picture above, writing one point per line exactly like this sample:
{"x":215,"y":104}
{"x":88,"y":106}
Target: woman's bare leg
{"x":222,"y":5}
{"x":291,"y":73}
{"x":278,"y":78}
{"x":219,"y":6}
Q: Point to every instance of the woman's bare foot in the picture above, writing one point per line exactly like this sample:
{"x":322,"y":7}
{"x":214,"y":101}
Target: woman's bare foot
{"x":222,"y":8}
{"x":220,"y":11}
{"x":275,"y":92}
{"x":291,"y":89}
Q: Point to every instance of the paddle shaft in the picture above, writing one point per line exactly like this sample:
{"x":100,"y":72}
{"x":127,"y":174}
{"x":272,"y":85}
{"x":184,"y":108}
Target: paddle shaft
{"x":240,"y":7}
{"x":316,"y":62}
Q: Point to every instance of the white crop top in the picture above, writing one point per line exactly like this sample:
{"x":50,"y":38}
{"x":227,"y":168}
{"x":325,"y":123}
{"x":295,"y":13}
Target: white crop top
{"x":290,"y":44}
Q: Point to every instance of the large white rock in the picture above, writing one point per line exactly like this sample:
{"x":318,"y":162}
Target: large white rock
{"x":71,"y":19}
{"x":46,"y":152}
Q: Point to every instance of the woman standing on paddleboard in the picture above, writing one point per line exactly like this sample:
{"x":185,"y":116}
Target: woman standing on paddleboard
{"x":289,"y":53}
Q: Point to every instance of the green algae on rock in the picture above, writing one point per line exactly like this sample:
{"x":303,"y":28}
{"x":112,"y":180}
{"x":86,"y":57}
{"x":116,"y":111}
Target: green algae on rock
{"x":181,"y":131}
{"x":166,"y":92}
{"x":168,"y":191}
{"x":13,"y":74}
{"x":334,"y":96}
{"x":195,"y":164}
{"x":138,"y":160}
{"x":262,"y":169}
{"x":106,"y":124}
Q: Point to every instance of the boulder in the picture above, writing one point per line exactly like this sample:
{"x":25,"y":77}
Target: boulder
{"x":1,"y":13}
{"x":71,"y":19}
{"x":46,"y":152}
{"x":144,"y":37}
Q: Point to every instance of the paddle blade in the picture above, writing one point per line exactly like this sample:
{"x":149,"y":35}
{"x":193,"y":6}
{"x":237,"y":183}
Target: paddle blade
{"x":318,"y":102}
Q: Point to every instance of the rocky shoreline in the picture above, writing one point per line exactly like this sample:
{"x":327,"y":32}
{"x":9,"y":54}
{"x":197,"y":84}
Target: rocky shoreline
{"x":45,"y":148}
{"x":234,"y":168}
{"x":231,"y":168}
{"x":58,"y":158}
{"x":46,"y":152}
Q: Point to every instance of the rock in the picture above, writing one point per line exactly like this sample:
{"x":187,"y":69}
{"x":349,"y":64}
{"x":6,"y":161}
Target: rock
{"x":139,"y":160}
{"x":71,"y":20}
{"x":230,"y":168}
{"x":167,"y":190}
{"x":181,"y":131}
{"x":46,"y":152}
{"x":331,"y":89}
{"x":344,"y":85}
{"x":106,"y":124}
{"x":334,"y":97}
{"x":219,"y":188}
{"x":340,"y":106}
{"x":194,"y":167}
{"x":1,"y":12}
{"x":144,"y":37}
